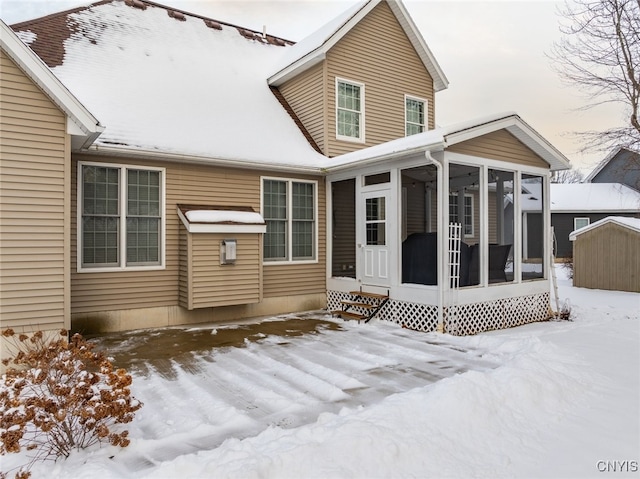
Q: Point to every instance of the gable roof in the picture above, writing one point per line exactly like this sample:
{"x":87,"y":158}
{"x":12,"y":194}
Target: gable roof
{"x":168,"y":84}
{"x":605,"y":161}
{"x":81,"y":124}
{"x":594,"y":198}
{"x":630,"y":223}
{"x":313,"y":49}
{"x":440,"y":138}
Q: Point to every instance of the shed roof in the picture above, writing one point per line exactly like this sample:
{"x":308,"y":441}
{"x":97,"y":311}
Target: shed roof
{"x":630,"y":223}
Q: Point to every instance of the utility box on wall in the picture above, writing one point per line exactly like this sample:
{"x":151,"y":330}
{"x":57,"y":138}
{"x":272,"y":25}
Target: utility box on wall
{"x":217,"y":269}
{"x":228,"y":249}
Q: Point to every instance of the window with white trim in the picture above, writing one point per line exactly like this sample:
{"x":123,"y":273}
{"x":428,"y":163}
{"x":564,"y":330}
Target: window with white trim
{"x":289,"y":208}
{"x":581,"y":222}
{"x":120,"y":216}
{"x":349,"y":110}
{"x":415,"y":114}
{"x":468,"y":212}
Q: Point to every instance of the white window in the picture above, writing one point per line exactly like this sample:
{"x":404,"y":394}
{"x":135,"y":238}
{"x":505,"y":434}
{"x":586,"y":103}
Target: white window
{"x":349,"y":110}
{"x":120,"y":217}
{"x":415,"y":114}
{"x":580,"y":222}
{"x":289,"y":208}
{"x":468,"y":212}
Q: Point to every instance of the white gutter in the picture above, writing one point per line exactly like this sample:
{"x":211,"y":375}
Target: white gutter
{"x":441,"y":240}
{"x":203,"y":160}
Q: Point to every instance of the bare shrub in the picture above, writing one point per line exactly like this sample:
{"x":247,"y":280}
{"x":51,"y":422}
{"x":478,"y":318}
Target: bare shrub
{"x":59,"y":395}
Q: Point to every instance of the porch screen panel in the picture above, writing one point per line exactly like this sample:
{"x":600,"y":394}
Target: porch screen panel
{"x":275,"y":215}
{"x":376,"y":221}
{"x":100,"y":215}
{"x":143,"y":217}
{"x":343,"y":219}
{"x":533,"y":234}
{"x":501,"y":224}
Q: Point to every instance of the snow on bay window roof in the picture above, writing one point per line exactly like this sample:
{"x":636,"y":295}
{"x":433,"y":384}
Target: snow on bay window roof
{"x":221,"y":219}
{"x":167,"y":82}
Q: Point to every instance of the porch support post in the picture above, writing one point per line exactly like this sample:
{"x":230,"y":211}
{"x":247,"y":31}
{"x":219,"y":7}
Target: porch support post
{"x":441,"y":238}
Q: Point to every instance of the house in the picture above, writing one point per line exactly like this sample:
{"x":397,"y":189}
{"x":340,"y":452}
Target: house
{"x":162,"y":168}
{"x":576,"y":205}
{"x":606,"y":254}
{"x":621,"y":165}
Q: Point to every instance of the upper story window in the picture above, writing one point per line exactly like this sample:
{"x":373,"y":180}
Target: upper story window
{"x":454,"y":214}
{"x":349,"y":110}
{"x":290,"y":209}
{"x":120,"y":217}
{"x":415,"y":113}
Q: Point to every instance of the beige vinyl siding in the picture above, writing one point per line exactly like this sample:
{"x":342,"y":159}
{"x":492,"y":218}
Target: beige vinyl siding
{"x":34,"y":149}
{"x":185,"y":184}
{"x":607,"y":257}
{"x":307,"y":278}
{"x":377,"y":53}
{"x":499,"y":145}
{"x":305,"y":95}
{"x":213,"y":284}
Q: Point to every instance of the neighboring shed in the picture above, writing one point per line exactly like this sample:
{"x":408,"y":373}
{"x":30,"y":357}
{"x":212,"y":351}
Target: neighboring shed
{"x":606,"y":254}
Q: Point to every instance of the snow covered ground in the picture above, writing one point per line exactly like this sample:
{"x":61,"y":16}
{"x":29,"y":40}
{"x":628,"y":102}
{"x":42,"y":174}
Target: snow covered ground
{"x":556,"y":399}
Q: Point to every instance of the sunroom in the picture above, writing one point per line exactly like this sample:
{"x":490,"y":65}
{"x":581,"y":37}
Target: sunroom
{"x":435,"y":222}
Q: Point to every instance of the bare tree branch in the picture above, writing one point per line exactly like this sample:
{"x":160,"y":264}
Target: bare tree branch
{"x":600,"y":55}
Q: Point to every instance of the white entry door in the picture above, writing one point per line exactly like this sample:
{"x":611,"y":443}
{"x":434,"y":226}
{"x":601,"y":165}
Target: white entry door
{"x":375,"y":238}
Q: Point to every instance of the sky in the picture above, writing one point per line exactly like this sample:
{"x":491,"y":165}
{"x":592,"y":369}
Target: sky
{"x":494,"y":54}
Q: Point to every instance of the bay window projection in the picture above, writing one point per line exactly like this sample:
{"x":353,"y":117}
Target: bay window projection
{"x":289,"y":209}
{"x":415,"y":115}
{"x":117,"y":199}
{"x":349,"y":110}
{"x":533,"y":234}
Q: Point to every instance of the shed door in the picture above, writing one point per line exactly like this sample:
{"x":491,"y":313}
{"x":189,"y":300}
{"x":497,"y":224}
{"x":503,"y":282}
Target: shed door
{"x":375,"y":246}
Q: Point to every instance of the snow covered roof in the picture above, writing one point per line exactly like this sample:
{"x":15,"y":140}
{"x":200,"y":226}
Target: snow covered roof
{"x":83,"y":127}
{"x":594,"y":197}
{"x":312,"y":49}
{"x":170,"y":83}
{"x":631,"y":223}
{"x":221,"y":219}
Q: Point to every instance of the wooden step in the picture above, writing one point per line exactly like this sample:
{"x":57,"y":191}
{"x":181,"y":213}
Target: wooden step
{"x":359,"y":305}
{"x":348,"y":315}
{"x":364,"y":294}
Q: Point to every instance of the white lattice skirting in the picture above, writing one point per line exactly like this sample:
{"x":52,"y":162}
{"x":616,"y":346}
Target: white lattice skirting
{"x":420,"y":317}
{"x":460,"y":320}
{"x":466,"y":319}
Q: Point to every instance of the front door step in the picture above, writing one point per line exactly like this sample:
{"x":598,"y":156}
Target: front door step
{"x":358,"y":300}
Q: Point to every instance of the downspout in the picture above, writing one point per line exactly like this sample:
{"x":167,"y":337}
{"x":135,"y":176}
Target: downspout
{"x":441,"y":270}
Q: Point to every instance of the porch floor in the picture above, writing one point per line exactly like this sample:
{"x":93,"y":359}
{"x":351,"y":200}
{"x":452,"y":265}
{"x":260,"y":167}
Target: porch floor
{"x":235,"y":381}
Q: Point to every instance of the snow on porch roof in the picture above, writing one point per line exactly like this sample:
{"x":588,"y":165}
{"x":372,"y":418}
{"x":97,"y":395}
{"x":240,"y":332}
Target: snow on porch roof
{"x":440,"y":138}
{"x":221,"y":219}
{"x":170,"y":84}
